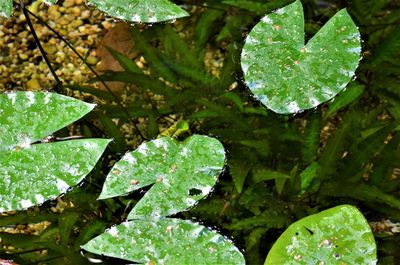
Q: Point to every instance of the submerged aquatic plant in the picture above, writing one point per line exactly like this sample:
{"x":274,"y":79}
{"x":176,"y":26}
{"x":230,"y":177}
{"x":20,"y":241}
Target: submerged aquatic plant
{"x":279,"y":168}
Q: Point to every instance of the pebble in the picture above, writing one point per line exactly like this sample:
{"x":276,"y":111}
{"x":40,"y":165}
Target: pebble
{"x":33,"y":84}
{"x":21,"y":63}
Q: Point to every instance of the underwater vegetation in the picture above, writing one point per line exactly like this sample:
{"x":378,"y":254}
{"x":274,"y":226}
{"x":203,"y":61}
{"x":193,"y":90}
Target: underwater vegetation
{"x":265,"y":132}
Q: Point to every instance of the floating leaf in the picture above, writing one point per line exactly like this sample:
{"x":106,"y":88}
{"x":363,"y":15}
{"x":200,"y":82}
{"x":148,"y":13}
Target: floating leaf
{"x":6,"y":8}
{"x":183,"y":173}
{"x":288,"y":76}
{"x":41,"y":172}
{"x":158,"y":242}
{"x":50,"y":2}
{"x":339,"y":235}
{"x":26,"y":117}
{"x":146,"y":11}
{"x":33,"y":173}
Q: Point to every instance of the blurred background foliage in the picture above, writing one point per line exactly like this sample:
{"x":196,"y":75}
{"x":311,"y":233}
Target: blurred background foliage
{"x":279,"y":168}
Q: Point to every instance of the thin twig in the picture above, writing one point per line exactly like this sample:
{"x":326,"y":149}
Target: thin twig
{"x":37,"y":41}
{"x":116,"y":98}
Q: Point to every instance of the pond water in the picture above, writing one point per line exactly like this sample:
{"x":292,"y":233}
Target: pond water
{"x":184,"y":77}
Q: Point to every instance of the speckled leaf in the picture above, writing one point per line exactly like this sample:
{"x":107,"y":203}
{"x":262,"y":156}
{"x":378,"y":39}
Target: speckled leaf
{"x":50,"y":2}
{"x":339,"y":235}
{"x":165,"y":241}
{"x":182,"y":174}
{"x":145,"y":11}
{"x":26,"y":117}
{"x":6,"y":8}
{"x":288,"y":76}
{"x":33,"y":173}
{"x":39,"y":172}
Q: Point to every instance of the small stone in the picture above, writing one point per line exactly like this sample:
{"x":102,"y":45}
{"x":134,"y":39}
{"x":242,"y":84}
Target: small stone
{"x":75,"y":11}
{"x":92,"y":60}
{"x":49,"y":49}
{"x":23,"y":56}
{"x":85,"y":14}
{"x":33,"y":84}
{"x":69,"y":3}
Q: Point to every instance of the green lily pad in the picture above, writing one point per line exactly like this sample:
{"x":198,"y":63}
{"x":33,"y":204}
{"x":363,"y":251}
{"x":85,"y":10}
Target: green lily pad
{"x":26,"y":117}
{"x":289,"y":76}
{"x":165,"y":241}
{"x":50,"y":2}
{"x":145,"y":11}
{"x":182,"y":174}
{"x":41,"y":172}
{"x":339,"y":235}
{"x":6,"y":8}
{"x":33,"y":173}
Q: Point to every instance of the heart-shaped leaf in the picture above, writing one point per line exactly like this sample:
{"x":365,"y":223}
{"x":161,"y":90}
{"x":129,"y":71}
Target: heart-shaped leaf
{"x":183,"y":173}
{"x":33,"y":173}
{"x":288,"y":76}
{"x":339,"y":235}
{"x":165,"y":241}
{"x":6,"y":8}
{"x":145,"y":11}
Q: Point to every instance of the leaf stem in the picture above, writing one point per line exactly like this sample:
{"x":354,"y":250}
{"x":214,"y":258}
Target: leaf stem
{"x":37,"y":41}
{"x":116,"y":98}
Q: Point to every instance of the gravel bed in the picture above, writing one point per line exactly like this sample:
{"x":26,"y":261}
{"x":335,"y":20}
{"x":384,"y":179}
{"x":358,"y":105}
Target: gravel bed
{"x":21,"y":64}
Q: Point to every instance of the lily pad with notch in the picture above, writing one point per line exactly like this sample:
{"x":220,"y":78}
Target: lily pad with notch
{"x":340,"y":235}
{"x":181,"y":174}
{"x":289,"y":76}
{"x":32,"y":172}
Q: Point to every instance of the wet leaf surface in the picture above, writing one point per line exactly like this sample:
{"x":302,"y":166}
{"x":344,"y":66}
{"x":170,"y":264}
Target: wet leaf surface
{"x":33,"y":173}
{"x":5,"y":8}
{"x":182,"y":174}
{"x":26,"y":117}
{"x":165,"y":241}
{"x":287,"y":75}
{"x":146,"y":11}
{"x":339,"y":235}
{"x":41,"y":172}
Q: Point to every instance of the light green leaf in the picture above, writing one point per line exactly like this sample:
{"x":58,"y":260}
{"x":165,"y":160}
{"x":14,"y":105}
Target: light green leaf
{"x":339,"y":235}
{"x":50,"y":2}
{"x":182,"y":174}
{"x":288,"y":76}
{"x":26,"y":117}
{"x":33,"y":173}
{"x":145,"y":11}
{"x":6,"y":8}
{"x":165,"y":241}
{"x":41,"y":172}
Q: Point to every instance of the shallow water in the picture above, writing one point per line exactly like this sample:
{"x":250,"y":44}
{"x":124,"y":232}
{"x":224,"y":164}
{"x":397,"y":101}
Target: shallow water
{"x":190,"y":70}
